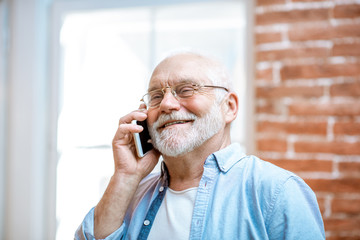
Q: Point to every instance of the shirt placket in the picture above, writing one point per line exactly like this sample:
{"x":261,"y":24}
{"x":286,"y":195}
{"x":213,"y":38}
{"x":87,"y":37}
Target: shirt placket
{"x":151,"y":214}
{"x":203,"y":197}
{"x":155,"y":205}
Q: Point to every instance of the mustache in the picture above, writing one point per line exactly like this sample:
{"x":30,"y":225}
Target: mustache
{"x":173,"y":116}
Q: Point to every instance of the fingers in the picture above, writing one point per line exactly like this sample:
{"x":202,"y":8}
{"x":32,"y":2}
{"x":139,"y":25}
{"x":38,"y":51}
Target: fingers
{"x":127,"y":127}
{"x":139,"y":115}
{"x":125,"y":131}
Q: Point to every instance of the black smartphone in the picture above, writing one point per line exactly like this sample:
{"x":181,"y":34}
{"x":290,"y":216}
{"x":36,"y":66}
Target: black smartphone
{"x":142,"y":139}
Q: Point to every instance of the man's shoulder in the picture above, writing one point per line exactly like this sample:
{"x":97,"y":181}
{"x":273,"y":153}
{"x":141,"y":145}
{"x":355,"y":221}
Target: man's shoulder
{"x":265,"y":179}
{"x":256,"y":169}
{"x":263,"y":165}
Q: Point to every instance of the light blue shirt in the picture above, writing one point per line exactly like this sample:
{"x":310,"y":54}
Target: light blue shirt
{"x":239,"y":197}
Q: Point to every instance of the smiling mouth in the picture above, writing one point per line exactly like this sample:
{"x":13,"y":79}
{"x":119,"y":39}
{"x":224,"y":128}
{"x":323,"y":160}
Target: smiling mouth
{"x":175,"y":122}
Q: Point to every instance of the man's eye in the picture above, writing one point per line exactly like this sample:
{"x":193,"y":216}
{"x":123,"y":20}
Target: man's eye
{"x":184,"y":90}
{"x":156,"y":96}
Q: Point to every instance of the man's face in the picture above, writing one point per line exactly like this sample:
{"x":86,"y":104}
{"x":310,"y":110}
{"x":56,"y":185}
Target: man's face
{"x":178,"y":127}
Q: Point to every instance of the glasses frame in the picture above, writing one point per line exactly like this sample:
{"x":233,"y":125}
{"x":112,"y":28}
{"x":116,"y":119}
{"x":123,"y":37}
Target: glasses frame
{"x":196,"y":89}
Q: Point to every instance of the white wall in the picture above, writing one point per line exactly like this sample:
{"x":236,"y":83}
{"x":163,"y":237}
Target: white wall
{"x":3,"y":91}
{"x":24,"y":127}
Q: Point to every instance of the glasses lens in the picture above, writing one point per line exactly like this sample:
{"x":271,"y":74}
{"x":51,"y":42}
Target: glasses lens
{"x":185,"y":90}
{"x":153,"y":98}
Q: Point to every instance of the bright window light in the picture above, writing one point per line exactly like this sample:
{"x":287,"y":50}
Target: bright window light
{"x":108,"y":57}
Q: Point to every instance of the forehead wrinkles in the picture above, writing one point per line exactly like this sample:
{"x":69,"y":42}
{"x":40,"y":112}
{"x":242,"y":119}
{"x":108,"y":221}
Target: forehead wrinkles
{"x":164,"y":76}
{"x":172,"y":83}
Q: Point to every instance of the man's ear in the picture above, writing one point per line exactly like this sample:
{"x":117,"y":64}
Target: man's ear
{"x":231,"y":107}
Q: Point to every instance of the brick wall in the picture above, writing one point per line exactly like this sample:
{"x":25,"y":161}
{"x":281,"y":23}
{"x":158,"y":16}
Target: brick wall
{"x":308,"y":100}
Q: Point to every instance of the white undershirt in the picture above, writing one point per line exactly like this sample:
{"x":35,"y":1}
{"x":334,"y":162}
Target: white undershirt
{"x":173,"y":220}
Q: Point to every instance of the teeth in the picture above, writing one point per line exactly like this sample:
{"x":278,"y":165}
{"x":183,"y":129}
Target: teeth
{"x":172,"y":123}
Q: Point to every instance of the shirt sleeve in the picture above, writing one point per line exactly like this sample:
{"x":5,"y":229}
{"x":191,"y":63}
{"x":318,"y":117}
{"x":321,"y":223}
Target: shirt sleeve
{"x":295,"y":212}
{"x":86,"y":229}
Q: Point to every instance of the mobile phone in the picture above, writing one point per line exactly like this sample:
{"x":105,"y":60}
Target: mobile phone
{"x":142,"y":140}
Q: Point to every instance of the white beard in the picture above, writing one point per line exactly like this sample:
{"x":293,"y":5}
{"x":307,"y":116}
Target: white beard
{"x":175,"y":142}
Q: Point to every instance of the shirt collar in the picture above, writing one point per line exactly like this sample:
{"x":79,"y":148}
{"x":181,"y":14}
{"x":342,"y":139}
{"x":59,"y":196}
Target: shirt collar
{"x":227,"y":157}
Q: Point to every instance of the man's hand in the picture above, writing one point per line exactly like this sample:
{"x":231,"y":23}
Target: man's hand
{"x":129,"y":171}
{"x":126,"y":160}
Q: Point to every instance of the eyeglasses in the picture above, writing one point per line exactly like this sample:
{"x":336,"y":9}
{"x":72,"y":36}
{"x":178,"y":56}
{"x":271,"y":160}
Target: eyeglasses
{"x":153,"y":98}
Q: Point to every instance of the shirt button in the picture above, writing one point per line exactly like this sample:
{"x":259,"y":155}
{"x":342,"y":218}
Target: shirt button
{"x":161,"y":189}
{"x":146,"y":222}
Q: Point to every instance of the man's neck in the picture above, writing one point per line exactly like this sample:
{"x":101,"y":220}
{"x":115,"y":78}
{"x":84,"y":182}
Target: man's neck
{"x":186,"y":170}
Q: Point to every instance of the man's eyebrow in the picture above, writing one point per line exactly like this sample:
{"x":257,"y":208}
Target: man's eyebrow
{"x":152,"y":89}
{"x":187,"y":80}
{"x":181,"y":81}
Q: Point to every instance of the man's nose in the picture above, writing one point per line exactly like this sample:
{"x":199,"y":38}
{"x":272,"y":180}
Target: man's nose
{"x":169,"y":102}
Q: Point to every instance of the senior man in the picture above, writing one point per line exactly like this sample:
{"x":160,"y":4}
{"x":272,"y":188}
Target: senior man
{"x":208,"y":188}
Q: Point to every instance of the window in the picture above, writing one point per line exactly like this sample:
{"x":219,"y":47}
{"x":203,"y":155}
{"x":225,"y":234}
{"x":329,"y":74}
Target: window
{"x":108,"y":56}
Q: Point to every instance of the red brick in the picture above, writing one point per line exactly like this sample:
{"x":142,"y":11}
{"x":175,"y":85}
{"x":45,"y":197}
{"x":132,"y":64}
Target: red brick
{"x":303,"y":165}
{"x":348,"y":30}
{"x":265,"y":74}
{"x":347,"y":128}
{"x":275,"y":55}
{"x":271,"y":145}
{"x":322,"y":32}
{"x":349,"y":236}
{"x":280,"y":92}
{"x":308,"y":0}
{"x":349,"y":167}
{"x":341,"y":148}
{"x":347,"y":11}
{"x":343,"y":205}
{"x":327,"y":109}
{"x":269,"y":2}
{"x":347,"y":185}
{"x":322,"y":204}
{"x":344,"y":221}
{"x":347,"y":224}
{"x":271,"y":107}
{"x":267,"y":37}
{"x":352,"y":49}
{"x":294,"y":16}
{"x":346,"y":89}
{"x":293,"y":128}
{"x":319,"y":71}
